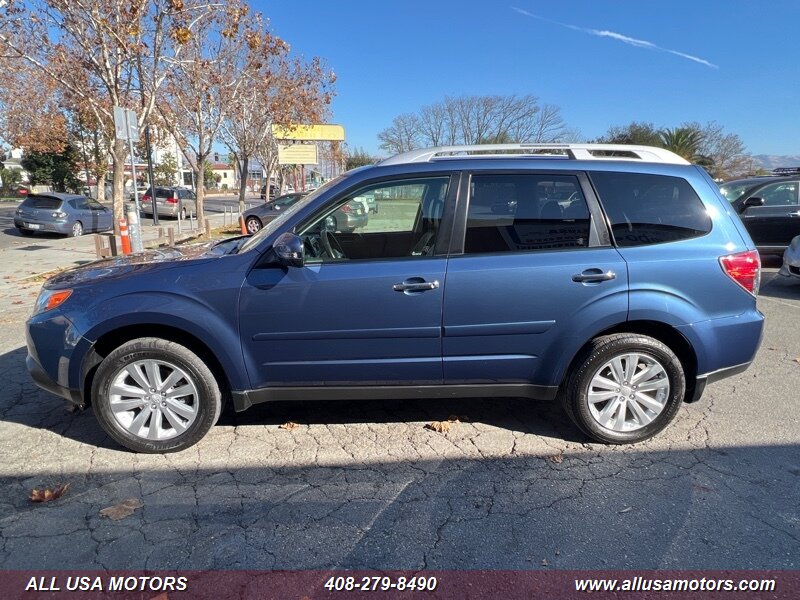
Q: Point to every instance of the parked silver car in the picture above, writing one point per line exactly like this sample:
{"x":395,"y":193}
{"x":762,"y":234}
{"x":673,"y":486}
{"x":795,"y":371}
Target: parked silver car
{"x":170,"y":202}
{"x":791,"y":259}
{"x":67,"y":214}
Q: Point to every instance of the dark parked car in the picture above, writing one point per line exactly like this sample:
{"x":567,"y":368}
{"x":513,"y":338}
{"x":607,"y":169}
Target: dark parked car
{"x":564,"y":276}
{"x":170,"y":202}
{"x":347,"y":218}
{"x":769,"y":208}
{"x":61,"y":213}
{"x":255,"y":217}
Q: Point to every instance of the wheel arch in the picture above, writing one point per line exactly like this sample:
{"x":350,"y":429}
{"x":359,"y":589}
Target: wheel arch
{"x":112,"y":339}
{"x":662,"y":332}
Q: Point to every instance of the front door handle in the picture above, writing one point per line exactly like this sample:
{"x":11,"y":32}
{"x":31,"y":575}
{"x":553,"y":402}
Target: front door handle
{"x":415,"y":284}
{"x":594,"y":276}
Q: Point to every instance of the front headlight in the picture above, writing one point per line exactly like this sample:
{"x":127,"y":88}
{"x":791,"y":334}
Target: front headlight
{"x":50,"y":299}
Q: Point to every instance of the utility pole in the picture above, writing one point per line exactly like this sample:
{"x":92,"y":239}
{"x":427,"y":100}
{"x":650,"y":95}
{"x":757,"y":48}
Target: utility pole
{"x":147,"y":147}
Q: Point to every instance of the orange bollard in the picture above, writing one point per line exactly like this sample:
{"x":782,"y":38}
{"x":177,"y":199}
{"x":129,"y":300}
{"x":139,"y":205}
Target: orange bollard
{"x":123,"y":236}
{"x":242,"y":225}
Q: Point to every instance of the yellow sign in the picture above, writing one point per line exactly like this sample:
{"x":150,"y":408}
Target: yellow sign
{"x":297,"y":154}
{"x":330,"y":133}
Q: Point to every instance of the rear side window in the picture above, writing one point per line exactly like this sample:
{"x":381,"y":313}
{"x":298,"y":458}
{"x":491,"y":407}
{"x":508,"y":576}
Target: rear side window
{"x":525,"y":213}
{"x":650,"y":209}
{"x":44,"y":202}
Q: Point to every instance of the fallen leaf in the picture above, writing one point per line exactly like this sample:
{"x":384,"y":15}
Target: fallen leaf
{"x":797,"y":360}
{"x":288,"y":425}
{"x":439,"y":426}
{"x":626,"y":509}
{"x":545,"y":563}
{"x":122,"y":510}
{"x":48,"y":495}
{"x":556,"y":459}
{"x":17,"y":302}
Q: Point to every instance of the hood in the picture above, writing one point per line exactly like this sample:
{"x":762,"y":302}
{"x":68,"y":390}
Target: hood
{"x":148,"y":260}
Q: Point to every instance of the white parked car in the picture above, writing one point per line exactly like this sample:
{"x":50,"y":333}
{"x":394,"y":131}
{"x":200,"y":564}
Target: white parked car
{"x":791,"y":259}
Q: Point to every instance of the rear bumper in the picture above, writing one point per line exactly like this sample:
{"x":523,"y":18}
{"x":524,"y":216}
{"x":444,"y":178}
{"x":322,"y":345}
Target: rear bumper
{"x":705,"y":379}
{"x":43,"y":226}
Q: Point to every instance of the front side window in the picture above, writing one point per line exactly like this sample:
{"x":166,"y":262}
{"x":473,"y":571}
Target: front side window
{"x":524,"y":212}
{"x":779,"y":194}
{"x":650,"y":209}
{"x":388,"y":220}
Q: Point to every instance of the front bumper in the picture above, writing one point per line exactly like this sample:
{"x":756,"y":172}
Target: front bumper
{"x":55,"y":355}
{"x":791,"y":260}
{"x":44,"y":381}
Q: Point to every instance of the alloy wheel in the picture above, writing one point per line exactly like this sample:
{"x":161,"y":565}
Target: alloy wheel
{"x":628,"y":392}
{"x":154,"y":399}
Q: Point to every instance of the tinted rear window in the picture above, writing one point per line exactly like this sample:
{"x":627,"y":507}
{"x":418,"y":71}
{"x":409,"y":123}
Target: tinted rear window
{"x":44,"y":202}
{"x":650,"y":209}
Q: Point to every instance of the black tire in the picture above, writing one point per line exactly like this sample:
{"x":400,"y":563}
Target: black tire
{"x":253,"y":224}
{"x":598,"y":353}
{"x":209,"y":400}
{"x":25,"y":232}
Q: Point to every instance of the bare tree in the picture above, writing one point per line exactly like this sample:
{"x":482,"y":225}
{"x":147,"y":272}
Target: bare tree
{"x":726,"y":151}
{"x":204,"y":84}
{"x":276,"y":90}
{"x":92,"y":50}
{"x":402,"y":136}
{"x":476,"y":120}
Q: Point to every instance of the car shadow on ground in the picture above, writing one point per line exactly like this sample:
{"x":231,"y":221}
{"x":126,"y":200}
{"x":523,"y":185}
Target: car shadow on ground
{"x":24,"y":403}
{"x":774,"y":285}
{"x":44,"y":235}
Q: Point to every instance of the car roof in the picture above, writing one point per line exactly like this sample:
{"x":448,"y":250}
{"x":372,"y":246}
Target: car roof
{"x":753,"y":181}
{"x":578,"y":152}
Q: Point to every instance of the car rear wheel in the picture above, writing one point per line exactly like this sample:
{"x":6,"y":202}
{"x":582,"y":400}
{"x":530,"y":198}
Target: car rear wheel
{"x":625,"y":388}
{"x":253,"y":224}
{"x":155,"y":396}
{"x":77,"y":229}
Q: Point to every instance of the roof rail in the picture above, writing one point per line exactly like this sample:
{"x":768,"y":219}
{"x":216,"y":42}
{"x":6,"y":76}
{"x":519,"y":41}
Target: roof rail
{"x":566,"y":151}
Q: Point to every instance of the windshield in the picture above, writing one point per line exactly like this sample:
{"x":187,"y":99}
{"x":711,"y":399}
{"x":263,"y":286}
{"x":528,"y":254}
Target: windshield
{"x":278,"y":222}
{"x":732,"y":191}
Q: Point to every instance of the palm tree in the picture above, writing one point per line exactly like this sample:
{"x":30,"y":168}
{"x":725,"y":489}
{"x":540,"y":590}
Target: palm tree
{"x":683,"y":141}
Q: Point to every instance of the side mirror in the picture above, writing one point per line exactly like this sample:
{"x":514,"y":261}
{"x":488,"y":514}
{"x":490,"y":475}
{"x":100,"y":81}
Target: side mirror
{"x":753,"y":201}
{"x":289,"y":250}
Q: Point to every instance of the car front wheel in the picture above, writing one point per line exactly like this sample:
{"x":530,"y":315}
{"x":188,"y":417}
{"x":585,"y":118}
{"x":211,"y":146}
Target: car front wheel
{"x":625,"y":388}
{"x":253,"y":224}
{"x":155,"y":396}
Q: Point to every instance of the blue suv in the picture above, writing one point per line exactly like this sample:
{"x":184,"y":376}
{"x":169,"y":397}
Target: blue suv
{"x":615,"y":279}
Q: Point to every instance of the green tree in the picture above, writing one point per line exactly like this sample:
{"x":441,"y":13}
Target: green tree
{"x":9,"y":178}
{"x":358,"y":158}
{"x":56,"y":169}
{"x":166,"y":170}
{"x":208,"y":176}
{"x":685,"y":142}
{"x":636,"y":133}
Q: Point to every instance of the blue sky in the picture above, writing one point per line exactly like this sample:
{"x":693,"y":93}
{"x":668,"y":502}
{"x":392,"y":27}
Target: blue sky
{"x":602,"y":62}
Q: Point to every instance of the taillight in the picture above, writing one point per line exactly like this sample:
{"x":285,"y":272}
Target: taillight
{"x":346,"y":208}
{"x":172,"y":200}
{"x":744,"y":268}
{"x":146,"y":198}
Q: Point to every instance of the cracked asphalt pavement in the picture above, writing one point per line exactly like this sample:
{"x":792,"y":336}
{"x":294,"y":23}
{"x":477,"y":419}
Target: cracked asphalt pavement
{"x":356,"y":485}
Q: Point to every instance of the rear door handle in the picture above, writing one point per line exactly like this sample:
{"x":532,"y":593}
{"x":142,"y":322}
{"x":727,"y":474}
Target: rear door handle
{"x":415,"y":284}
{"x":594,"y":276}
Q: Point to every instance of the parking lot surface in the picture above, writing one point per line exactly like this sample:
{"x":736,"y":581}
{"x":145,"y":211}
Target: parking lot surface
{"x":511,"y":485}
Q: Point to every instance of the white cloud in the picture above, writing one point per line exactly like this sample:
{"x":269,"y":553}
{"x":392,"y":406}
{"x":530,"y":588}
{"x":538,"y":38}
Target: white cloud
{"x":619,"y":37}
